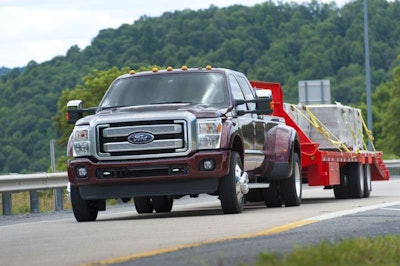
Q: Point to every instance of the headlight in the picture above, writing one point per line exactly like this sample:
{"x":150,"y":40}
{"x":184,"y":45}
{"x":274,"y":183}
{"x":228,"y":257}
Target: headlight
{"x":209,"y":134}
{"x":81,"y":143}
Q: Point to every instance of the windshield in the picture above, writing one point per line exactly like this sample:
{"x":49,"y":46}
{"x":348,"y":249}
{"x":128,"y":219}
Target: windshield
{"x":206,"y":88}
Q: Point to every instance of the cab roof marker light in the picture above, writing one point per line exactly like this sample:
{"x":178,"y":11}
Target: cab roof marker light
{"x":169,"y":68}
{"x":208,"y":67}
{"x":155,"y":69}
{"x":184,"y":68}
{"x":132,"y":72}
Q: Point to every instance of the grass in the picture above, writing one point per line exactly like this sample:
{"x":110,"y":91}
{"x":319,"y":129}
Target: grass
{"x":21,"y":202}
{"x":383,"y":250}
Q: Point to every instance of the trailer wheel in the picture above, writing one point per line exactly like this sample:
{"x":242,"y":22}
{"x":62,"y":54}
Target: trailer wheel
{"x":356,"y":180}
{"x":143,"y":204}
{"x":162,"y":203}
{"x":271,"y":196}
{"x":84,"y":210}
{"x":291,"y":188}
{"x":367,"y":181}
{"x":230,"y":195}
{"x":341,"y":191}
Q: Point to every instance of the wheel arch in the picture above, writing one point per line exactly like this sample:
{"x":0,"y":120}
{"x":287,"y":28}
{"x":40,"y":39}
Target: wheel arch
{"x":237,"y":145}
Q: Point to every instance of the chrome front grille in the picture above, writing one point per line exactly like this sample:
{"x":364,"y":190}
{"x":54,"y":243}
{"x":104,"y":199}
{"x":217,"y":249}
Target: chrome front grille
{"x":170,"y":138}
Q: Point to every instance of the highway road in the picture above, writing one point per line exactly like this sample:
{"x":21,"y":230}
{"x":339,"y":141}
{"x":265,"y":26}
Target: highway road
{"x":121,"y":235}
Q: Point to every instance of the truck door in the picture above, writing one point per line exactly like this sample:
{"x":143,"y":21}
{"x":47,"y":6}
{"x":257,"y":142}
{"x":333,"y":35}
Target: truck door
{"x":258,"y":122}
{"x":246,"y":124}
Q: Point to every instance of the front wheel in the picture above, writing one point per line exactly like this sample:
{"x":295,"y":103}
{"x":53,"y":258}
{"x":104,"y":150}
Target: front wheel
{"x":230,"y":193}
{"x":291,"y":188}
{"x":84,"y":210}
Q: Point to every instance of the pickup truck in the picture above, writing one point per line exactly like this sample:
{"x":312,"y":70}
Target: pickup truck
{"x":160,"y":135}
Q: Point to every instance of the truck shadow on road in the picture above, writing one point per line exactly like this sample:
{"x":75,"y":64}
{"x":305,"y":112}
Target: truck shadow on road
{"x":215,"y":210}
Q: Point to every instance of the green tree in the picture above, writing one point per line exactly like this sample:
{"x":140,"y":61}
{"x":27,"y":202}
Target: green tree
{"x":387,"y":99}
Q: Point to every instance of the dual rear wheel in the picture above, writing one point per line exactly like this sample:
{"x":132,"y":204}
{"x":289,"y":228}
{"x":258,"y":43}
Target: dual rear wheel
{"x":287,"y":191}
{"x":355,"y":181}
{"x":157,"y":203}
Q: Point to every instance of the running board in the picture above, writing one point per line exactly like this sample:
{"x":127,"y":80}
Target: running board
{"x":258,"y":185}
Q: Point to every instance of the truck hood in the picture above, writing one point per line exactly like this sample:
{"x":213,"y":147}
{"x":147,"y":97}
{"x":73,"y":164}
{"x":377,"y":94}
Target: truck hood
{"x":159,"y":111}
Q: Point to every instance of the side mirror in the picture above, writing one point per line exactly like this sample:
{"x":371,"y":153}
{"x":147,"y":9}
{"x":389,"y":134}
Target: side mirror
{"x":263,"y":106}
{"x":264,"y":93}
{"x":74,"y":111}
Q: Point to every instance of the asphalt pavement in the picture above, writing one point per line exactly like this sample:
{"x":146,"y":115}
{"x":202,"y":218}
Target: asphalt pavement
{"x":377,"y":222}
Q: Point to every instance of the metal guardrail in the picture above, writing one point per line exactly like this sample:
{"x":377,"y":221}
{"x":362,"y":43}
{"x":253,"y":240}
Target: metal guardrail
{"x":27,"y":182}
{"x":34,"y":182}
{"x":392,"y":163}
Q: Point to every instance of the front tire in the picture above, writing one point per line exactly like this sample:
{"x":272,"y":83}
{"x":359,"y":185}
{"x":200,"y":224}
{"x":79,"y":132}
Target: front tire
{"x":291,"y":188}
{"x":84,"y":210}
{"x":230,"y":194}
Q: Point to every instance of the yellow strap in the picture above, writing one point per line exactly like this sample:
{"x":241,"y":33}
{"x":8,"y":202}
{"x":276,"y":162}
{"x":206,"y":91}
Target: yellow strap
{"x":369,"y":133}
{"x":353,"y":134}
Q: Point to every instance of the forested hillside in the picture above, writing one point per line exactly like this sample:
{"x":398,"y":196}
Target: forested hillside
{"x":275,"y":42}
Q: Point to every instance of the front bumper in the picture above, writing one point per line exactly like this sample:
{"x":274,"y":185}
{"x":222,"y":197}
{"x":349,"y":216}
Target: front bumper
{"x":170,"y":176}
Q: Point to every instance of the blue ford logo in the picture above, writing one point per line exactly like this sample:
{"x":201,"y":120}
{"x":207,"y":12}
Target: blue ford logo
{"x":140,"y":138}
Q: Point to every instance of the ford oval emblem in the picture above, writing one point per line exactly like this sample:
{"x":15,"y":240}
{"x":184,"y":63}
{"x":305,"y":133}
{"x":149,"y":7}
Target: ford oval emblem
{"x":140,"y":138}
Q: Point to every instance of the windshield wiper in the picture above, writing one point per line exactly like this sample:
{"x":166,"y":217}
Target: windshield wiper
{"x":171,"y":102}
{"x":112,"y":107}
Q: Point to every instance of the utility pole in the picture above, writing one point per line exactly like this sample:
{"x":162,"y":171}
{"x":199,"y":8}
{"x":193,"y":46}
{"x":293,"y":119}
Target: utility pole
{"x":367,"y":73}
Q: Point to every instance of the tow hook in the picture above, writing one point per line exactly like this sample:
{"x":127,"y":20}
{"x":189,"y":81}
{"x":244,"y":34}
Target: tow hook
{"x":244,"y":183}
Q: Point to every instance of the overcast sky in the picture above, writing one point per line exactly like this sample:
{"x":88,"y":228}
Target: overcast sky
{"x":42,"y":29}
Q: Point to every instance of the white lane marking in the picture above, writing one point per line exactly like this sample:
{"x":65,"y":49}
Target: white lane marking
{"x":353,"y":211}
{"x":391,"y":209}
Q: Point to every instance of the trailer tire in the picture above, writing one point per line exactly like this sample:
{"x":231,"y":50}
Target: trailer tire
{"x":367,"y":181}
{"x":162,"y":203}
{"x":341,"y":191}
{"x":230,"y":195}
{"x":356,"y":180}
{"x":291,"y":188}
{"x":143,"y":204}
{"x":271,"y":196}
{"x":84,"y":210}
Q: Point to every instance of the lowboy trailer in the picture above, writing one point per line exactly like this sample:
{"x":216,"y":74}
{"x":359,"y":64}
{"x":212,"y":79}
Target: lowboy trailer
{"x":348,"y":173}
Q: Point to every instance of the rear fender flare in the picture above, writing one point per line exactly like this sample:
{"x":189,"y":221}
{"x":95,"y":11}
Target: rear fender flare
{"x":282,"y":142}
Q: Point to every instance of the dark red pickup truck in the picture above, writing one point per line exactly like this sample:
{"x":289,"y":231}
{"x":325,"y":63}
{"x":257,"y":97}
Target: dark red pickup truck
{"x":160,"y":135}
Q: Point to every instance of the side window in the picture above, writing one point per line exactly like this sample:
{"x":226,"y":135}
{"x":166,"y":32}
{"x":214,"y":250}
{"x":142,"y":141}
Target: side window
{"x":248,"y":91}
{"x":237,"y":92}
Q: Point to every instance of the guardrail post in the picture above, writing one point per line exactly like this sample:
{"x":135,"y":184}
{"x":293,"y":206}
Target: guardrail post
{"x":7,"y":206}
{"x":58,"y":192}
{"x":34,"y":200}
{"x":58,"y":199}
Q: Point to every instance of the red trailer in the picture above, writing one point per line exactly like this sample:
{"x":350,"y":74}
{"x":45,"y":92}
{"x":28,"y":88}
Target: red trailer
{"x":349,"y":173}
